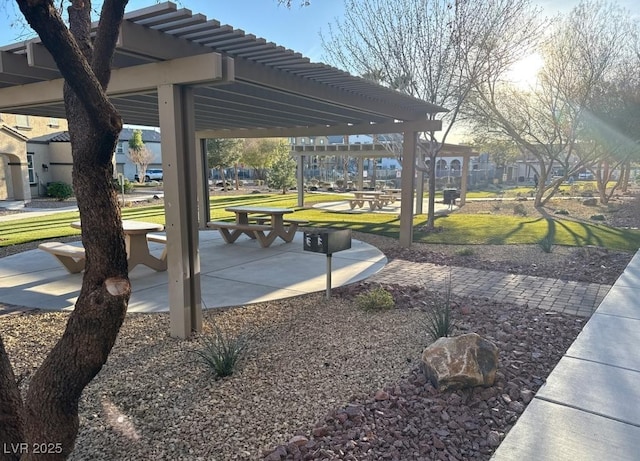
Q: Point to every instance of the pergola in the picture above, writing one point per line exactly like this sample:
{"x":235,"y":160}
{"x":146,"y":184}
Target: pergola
{"x":197,"y":79}
{"x":379,"y":150}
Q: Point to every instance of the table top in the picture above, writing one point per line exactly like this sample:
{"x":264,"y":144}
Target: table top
{"x":367,"y":192}
{"x":259,"y":209}
{"x":132,"y":227}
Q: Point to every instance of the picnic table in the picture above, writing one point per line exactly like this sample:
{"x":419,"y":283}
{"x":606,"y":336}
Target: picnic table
{"x":135,"y":234}
{"x":264,"y":224}
{"x":375,"y":199}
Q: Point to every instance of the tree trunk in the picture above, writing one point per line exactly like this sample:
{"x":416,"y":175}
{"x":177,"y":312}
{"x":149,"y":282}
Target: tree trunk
{"x":224,"y":179}
{"x":51,"y":406}
{"x":625,"y":173}
{"x":10,"y":410}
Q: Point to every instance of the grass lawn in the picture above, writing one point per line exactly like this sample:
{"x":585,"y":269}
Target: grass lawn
{"x":457,"y":228}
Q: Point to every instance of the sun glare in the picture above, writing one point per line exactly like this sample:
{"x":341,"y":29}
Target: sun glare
{"x":524,"y":73}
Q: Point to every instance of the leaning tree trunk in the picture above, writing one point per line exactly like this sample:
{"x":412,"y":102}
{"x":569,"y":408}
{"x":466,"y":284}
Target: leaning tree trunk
{"x":51,"y":407}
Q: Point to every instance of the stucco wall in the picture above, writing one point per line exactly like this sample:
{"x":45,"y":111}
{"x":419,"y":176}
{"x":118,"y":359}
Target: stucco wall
{"x":14,"y":181}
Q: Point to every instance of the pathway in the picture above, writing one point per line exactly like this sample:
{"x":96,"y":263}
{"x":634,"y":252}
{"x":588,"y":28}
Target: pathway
{"x":526,"y":290}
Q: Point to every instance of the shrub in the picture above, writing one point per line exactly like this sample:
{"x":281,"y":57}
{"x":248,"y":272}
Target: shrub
{"x":376,"y":299}
{"x":598,"y":217}
{"x":128,"y":186}
{"x":520,"y":209}
{"x":59,"y":190}
{"x":563,"y":212}
{"x":546,"y":243}
{"x":464,"y":252}
{"x":222,"y":351}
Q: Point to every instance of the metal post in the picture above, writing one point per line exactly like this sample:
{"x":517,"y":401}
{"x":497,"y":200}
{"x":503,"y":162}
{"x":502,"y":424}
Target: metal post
{"x":328,"y":276}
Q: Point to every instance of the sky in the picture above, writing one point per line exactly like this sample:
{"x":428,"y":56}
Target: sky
{"x":297,"y":28}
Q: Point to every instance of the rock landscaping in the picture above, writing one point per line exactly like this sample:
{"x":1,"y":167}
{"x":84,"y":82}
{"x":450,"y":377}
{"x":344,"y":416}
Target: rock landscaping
{"x":326,"y":379}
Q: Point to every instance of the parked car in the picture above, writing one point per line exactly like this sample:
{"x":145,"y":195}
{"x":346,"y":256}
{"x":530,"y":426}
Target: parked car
{"x":585,"y":177}
{"x":151,"y":175}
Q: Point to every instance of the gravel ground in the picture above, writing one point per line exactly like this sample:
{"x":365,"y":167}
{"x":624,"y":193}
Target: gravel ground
{"x":321,"y":379}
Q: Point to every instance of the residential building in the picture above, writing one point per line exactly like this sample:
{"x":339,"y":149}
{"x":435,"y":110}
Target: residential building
{"x":20,"y":170}
{"x":51,"y":156}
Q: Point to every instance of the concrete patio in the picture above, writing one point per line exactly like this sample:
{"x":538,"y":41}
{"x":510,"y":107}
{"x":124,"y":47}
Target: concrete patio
{"x":232,"y":275}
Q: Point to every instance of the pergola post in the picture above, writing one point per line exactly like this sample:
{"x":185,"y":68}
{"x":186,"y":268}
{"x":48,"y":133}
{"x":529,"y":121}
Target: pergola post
{"x":419,"y":191}
{"x":300,"y":180}
{"x":464,"y":179}
{"x":360,"y":175}
{"x":202,"y":175}
{"x":406,"y":181}
{"x":177,"y":124}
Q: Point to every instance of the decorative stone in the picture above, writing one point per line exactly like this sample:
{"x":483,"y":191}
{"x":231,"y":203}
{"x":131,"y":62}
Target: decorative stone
{"x":590,"y":201}
{"x":298,"y":440}
{"x":460,"y":362}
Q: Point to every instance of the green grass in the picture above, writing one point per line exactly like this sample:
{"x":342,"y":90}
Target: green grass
{"x":459,"y":229}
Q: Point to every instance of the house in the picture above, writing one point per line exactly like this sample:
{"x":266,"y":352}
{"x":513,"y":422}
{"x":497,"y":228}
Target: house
{"x":20,"y":171}
{"x":51,"y":156}
{"x":151,"y":140}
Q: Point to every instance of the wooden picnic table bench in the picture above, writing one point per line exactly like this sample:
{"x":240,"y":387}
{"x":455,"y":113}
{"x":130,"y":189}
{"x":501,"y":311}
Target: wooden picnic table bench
{"x":264,"y":224}
{"x":230,"y":231}
{"x":72,"y":257}
{"x":375,"y":199}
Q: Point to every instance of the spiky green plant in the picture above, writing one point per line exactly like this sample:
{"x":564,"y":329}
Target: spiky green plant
{"x":438,"y":322}
{"x":221,"y":351}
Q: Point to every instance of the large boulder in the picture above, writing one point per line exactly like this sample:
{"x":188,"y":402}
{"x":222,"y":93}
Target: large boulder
{"x":461,"y":361}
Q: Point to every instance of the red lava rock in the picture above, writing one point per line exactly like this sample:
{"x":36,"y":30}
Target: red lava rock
{"x":381,"y":395}
{"x":412,"y":424}
{"x":320,"y":431}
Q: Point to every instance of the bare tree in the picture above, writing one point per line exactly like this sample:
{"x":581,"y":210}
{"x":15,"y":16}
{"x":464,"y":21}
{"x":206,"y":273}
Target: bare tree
{"x":547,"y":121}
{"x":434,"y":50}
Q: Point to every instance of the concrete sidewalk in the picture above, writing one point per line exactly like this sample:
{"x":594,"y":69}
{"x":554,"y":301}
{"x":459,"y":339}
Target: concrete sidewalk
{"x":589,"y":407}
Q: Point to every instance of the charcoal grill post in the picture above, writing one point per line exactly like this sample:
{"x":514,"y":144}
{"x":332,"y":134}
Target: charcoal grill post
{"x":327,"y":241}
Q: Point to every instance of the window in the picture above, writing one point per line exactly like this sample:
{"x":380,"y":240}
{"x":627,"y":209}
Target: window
{"x":54,"y":122}
{"x":22,"y":121}
{"x":120,"y":148}
{"x":321,"y":141}
{"x":32,"y":174}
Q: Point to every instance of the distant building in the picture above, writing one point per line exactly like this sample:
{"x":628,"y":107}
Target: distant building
{"x":20,"y":171}
{"x":51,"y":156}
{"x":329,"y":167}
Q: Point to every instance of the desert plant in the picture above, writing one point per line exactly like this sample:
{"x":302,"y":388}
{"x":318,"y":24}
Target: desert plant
{"x":128,"y":185}
{"x":464,"y":252}
{"x":59,"y":190}
{"x":546,"y":243}
{"x":376,"y":299}
{"x":221,"y":351}
{"x":520,"y":209}
{"x":562,"y":212}
{"x":438,"y":322}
